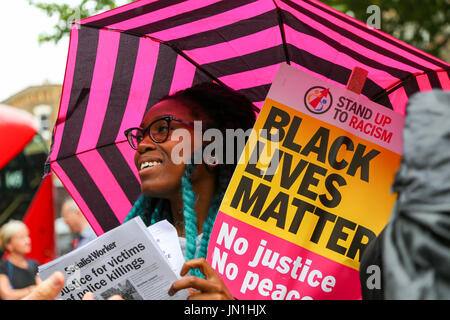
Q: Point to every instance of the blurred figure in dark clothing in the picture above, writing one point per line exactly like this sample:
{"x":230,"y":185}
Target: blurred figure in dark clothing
{"x":413,"y":251}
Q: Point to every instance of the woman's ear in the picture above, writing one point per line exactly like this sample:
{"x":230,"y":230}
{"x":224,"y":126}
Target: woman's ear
{"x":8,"y":246}
{"x":211,"y":161}
{"x":213,"y":152}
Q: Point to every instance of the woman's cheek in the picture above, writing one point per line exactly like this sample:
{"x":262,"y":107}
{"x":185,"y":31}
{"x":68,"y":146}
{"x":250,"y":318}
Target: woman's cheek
{"x":179,"y":148}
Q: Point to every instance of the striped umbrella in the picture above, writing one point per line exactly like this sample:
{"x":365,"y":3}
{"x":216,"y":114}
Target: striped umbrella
{"x":122,"y":61}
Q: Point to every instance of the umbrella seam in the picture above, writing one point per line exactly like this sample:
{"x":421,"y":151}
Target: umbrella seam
{"x":121,"y":31}
{"x":397,"y":85}
{"x":88,"y":150}
{"x":283,"y":33}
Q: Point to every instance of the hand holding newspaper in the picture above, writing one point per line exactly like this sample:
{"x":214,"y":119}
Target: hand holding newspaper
{"x":126,"y":261}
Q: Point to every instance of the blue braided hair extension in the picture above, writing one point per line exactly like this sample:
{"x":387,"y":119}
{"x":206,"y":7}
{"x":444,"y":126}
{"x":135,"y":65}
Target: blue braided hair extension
{"x":190,"y":217}
{"x":189,"y":198}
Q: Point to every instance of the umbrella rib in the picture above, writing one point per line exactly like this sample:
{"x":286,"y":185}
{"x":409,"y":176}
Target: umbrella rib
{"x":118,"y":30}
{"x":283,"y":34}
{"x":393,"y":88}
{"x":400,"y":83}
{"x":84,"y":151}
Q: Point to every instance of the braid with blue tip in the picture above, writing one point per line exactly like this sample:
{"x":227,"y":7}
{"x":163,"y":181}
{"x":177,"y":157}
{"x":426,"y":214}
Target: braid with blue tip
{"x":190,"y":217}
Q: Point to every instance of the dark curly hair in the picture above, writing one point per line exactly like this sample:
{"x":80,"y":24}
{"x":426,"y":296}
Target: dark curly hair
{"x":224,"y":107}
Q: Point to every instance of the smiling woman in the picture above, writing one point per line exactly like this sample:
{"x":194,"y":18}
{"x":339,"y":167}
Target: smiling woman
{"x":187,"y":194}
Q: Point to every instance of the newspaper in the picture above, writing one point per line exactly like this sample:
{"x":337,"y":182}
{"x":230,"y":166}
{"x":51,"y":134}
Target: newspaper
{"x":126,"y":261}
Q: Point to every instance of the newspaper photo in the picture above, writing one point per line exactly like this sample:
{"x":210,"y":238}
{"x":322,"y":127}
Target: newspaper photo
{"x":126,"y":261}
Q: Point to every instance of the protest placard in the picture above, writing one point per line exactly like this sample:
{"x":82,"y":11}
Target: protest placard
{"x":312,"y":188}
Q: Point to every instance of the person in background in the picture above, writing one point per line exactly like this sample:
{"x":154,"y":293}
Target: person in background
{"x":64,"y":237}
{"x":77,"y":223}
{"x":412,"y":253}
{"x":18,"y":275}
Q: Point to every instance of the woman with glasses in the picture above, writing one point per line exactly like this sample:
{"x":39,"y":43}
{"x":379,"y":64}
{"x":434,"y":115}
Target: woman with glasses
{"x":187,"y":194}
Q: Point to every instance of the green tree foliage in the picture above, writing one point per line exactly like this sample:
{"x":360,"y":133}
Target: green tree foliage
{"x":423,"y":24}
{"x":66,"y":14}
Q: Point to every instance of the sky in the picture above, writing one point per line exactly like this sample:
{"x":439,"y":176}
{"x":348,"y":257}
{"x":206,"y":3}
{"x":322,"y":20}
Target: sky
{"x":23,"y":61}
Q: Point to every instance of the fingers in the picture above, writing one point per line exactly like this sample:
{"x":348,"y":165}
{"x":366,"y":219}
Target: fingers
{"x":211,"y":288}
{"x":191,"y":282}
{"x":206,"y":296}
{"x":88,"y":296}
{"x":199,"y":263}
{"x":48,"y":289}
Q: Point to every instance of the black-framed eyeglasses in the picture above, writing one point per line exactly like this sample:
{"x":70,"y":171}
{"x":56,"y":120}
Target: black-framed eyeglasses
{"x":158,"y":131}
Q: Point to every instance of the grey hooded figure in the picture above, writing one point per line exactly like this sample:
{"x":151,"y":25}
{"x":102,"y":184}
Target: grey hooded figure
{"x":413,"y":251}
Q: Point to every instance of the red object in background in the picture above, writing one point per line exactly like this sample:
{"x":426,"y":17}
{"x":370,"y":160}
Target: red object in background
{"x":17,"y":128}
{"x":40,"y":219}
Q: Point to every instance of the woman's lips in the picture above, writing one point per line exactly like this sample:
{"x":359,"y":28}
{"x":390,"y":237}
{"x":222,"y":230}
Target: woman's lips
{"x":149,"y":165}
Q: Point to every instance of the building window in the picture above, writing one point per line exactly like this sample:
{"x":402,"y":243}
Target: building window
{"x":43,"y":113}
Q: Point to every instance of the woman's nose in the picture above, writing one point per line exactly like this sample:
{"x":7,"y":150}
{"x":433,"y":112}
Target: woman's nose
{"x":146,"y":144}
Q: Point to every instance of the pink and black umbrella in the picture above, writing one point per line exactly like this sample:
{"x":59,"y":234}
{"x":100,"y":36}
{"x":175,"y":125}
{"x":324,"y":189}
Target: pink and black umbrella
{"x":122,"y":61}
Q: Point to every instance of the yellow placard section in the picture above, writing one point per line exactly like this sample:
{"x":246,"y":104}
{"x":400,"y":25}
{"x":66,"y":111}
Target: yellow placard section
{"x":313,"y":184}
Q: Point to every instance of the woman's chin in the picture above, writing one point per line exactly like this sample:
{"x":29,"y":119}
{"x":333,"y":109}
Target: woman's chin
{"x":154,"y":190}
{"x":24,"y":252}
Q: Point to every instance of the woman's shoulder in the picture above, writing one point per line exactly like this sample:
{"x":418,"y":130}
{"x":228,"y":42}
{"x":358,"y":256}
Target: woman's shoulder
{"x":32,"y":264}
{"x":3,"y":266}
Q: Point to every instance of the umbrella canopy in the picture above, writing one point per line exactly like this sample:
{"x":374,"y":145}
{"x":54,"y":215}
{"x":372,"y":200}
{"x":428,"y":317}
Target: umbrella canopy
{"x":17,"y":128}
{"x":122,"y":61}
